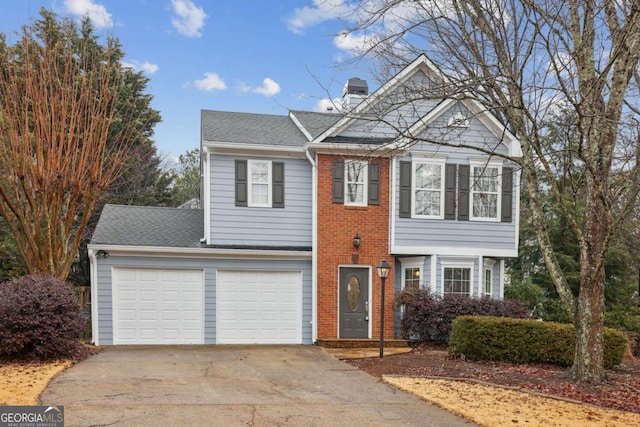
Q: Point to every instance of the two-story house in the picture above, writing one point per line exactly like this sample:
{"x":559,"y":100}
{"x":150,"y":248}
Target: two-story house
{"x":297,"y":211}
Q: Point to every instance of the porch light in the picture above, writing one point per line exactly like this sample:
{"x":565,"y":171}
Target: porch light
{"x":356,"y":241}
{"x":383,"y":270}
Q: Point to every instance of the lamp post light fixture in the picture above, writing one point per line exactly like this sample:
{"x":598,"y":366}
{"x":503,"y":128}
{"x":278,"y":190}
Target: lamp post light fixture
{"x":383,"y":270}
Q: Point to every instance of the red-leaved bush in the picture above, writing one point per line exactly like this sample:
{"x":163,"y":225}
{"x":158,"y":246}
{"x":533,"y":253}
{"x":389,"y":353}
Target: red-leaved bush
{"x":428,"y":317}
{"x":39,"y":319}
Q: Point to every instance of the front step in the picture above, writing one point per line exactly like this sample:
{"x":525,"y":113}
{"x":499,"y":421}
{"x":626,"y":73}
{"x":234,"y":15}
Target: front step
{"x":360,"y":343}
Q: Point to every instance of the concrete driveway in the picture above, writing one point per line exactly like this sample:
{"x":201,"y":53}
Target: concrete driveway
{"x":231,"y":386}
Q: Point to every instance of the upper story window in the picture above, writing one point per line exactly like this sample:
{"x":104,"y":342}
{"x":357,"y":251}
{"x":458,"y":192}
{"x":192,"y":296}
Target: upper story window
{"x":356,"y":182}
{"x":428,"y":191}
{"x":485,"y":192}
{"x":434,"y":189}
{"x":355,"y":190}
{"x":259,"y":183}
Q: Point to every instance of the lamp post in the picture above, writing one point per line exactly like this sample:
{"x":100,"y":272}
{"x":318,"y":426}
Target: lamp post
{"x":383,"y":270}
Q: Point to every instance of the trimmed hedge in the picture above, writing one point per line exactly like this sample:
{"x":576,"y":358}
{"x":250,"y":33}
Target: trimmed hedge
{"x":40,"y":318}
{"x":428,"y":317}
{"x":525,"y":341}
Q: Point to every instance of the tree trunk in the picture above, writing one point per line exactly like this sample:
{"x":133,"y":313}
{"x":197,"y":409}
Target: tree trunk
{"x":589,"y":317}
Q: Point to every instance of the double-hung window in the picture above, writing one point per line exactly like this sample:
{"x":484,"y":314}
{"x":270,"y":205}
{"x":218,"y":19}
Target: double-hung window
{"x":259,"y":183}
{"x":355,"y":189}
{"x":457,"y":276}
{"x":428,"y":191}
{"x":485,"y":192}
{"x":457,"y":280}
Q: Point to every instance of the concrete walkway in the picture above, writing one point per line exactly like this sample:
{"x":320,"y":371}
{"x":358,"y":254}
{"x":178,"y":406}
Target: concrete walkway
{"x":231,"y":386}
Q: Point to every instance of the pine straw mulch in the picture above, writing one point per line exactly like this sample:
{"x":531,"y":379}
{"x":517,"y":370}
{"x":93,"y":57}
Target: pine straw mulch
{"x":620,"y":390}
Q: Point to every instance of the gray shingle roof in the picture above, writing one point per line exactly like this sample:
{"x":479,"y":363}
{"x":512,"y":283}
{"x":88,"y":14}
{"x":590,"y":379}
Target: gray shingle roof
{"x":249,"y":128}
{"x":149,"y":226}
{"x":316,"y":123}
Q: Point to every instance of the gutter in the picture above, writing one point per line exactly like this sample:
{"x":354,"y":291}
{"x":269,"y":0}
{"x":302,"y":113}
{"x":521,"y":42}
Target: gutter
{"x":93,"y":274}
{"x":314,"y":245}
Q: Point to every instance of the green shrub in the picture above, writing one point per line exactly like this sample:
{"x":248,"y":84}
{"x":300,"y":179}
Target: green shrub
{"x":525,"y":341}
{"x":40,"y":318}
{"x":623,"y":318}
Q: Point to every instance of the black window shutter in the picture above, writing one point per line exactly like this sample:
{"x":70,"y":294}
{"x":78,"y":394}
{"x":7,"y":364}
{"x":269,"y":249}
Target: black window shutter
{"x":405,"y":189}
{"x":463,"y":192}
{"x":277,"y":184}
{"x":338,"y":181}
{"x":507,"y":194}
{"x":450,"y":192}
{"x":374,"y":183}
{"x":241,"y":183}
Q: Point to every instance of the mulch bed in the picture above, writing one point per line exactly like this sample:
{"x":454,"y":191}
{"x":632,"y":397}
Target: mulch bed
{"x":621,"y":389}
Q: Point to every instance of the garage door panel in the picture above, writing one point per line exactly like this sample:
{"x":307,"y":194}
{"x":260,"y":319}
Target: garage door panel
{"x":158,"y":306}
{"x":259,"y":307}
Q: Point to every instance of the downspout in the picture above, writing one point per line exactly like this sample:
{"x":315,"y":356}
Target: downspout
{"x":93,"y":274}
{"x":314,"y":246}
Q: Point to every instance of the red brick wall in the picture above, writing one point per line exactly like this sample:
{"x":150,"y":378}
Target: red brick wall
{"x":337,"y":225}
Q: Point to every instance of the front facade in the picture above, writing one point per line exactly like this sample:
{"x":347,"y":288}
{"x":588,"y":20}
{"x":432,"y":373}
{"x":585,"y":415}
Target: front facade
{"x":298,"y":210}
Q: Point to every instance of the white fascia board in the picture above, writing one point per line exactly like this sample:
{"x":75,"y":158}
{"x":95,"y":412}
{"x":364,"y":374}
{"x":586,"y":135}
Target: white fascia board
{"x":351,"y":149}
{"x":299,"y":125}
{"x":425,"y":121}
{"x":421,"y":62}
{"x":452,"y":251}
{"x":482,"y":114}
{"x":254,"y":149}
{"x":159,"y":251}
{"x":492,"y":123}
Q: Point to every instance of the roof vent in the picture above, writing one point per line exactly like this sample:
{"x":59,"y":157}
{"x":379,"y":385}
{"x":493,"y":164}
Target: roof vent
{"x":355,"y":91}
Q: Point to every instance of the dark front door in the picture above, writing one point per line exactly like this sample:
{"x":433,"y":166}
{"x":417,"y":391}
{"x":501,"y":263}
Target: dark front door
{"x":354,"y":302}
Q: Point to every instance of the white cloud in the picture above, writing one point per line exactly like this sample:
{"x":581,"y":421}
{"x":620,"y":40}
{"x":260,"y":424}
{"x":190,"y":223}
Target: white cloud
{"x":242,"y":87}
{"x":189,"y":18}
{"x":210,"y":82}
{"x":145,"y":67}
{"x":355,"y":43}
{"x":322,"y":10}
{"x":96,"y":12}
{"x":269,"y":88}
{"x":327,"y":105}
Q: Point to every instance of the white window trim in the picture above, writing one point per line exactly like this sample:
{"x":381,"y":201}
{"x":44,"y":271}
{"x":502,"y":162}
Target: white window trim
{"x":485,"y":164}
{"x":456,"y":263}
{"x":365,"y":184}
{"x":415,"y":262}
{"x":250,"y":201}
{"x":488,"y":266}
{"x":434,"y":161}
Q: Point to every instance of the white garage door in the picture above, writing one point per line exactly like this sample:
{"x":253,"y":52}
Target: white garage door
{"x":157,"y":306}
{"x":259,"y":307}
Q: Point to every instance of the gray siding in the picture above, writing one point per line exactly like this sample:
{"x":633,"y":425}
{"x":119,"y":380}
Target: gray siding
{"x":210,"y":266}
{"x":420,"y":232}
{"x":232,"y":225}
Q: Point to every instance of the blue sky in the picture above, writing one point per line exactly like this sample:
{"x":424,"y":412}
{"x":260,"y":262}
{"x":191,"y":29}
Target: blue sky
{"x":262,"y":56}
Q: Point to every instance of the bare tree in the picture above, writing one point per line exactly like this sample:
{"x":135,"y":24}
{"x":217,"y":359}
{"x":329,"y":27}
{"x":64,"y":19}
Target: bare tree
{"x":63,"y":138}
{"x":521,"y":60}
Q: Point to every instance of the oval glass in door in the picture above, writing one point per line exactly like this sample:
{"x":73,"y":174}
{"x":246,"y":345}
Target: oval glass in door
{"x":353,"y":293}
